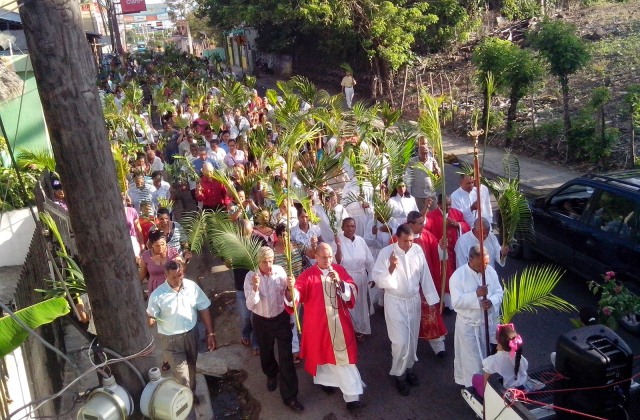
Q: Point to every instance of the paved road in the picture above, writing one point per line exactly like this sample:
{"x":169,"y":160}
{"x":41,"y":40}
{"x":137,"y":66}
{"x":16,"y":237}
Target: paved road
{"x":437,"y":397}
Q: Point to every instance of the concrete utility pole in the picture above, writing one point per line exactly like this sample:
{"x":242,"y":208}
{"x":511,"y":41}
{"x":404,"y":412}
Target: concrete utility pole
{"x":65,"y":76}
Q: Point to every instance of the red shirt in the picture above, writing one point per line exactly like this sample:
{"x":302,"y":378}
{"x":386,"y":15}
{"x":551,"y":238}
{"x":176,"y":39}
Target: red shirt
{"x":212,"y":193}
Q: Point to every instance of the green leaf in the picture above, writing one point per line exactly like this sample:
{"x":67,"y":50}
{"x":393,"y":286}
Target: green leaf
{"x":195,"y":226}
{"x":531,"y":290}
{"x":13,"y":335}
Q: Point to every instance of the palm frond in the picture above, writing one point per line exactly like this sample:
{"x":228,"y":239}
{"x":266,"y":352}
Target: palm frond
{"x":316,"y":174}
{"x":39,"y":159}
{"x":399,"y":153}
{"x":381,"y":208}
{"x":195,"y":227}
{"x":389,"y":115}
{"x":227,"y":242}
{"x":514,"y":209}
{"x":166,"y":203}
{"x":12,"y":335}
{"x":122,"y":166}
{"x":436,"y":181}
{"x":531,"y":290}
{"x":511,"y":165}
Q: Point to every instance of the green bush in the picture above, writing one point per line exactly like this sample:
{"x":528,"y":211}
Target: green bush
{"x":588,"y":142}
{"x":520,"y":9}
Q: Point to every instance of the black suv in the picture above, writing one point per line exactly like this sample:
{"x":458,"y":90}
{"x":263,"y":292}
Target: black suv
{"x":591,"y":225}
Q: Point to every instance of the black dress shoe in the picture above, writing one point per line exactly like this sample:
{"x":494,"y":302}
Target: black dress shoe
{"x":329,"y":390}
{"x":294,"y":404}
{"x":272,"y":384}
{"x":354,"y":406}
{"x":412,"y":379}
{"x":403,"y":387}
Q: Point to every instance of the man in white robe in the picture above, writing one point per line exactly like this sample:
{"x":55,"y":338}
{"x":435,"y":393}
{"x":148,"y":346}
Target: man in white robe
{"x":497,"y":253}
{"x":354,"y":256}
{"x":467,"y":295}
{"x":465,"y":199}
{"x":401,"y":269}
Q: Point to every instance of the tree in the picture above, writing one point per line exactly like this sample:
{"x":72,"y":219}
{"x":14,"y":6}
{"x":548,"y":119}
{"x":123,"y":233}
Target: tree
{"x":515,"y":71}
{"x":566,"y":53}
{"x":386,"y":29}
{"x":65,"y":74}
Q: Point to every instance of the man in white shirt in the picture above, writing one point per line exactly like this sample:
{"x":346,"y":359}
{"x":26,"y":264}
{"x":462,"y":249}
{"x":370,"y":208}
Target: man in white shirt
{"x":465,"y":199}
{"x":401,"y":270}
{"x":267,"y":294}
{"x":239,"y":127}
{"x":467,"y":297}
{"x":495,"y":252}
{"x":154,"y":161}
{"x":176,"y":303}
{"x":305,"y":231}
{"x":163,"y":189}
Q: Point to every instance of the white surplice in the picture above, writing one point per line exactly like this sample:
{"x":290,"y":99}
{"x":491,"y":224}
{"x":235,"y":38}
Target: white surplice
{"x":401,"y":206}
{"x":469,"y":341}
{"x":467,"y":240}
{"x":358,"y":261}
{"x":402,"y":301}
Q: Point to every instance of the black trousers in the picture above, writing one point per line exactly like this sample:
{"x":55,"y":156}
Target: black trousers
{"x":277,"y":330}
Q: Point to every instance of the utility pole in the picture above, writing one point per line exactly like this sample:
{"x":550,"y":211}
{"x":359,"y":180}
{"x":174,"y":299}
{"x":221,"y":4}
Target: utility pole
{"x":65,"y":76}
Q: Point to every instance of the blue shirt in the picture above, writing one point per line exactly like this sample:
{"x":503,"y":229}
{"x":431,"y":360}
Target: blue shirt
{"x":177,"y":312}
{"x":199,"y":163}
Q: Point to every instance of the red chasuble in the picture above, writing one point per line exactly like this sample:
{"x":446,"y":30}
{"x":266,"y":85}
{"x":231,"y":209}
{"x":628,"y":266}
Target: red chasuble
{"x":327,"y":331}
{"x":433,"y":223}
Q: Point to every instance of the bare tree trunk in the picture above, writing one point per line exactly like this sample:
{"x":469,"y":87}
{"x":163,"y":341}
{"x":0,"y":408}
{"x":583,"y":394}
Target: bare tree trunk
{"x":66,"y":82}
{"x":564,"y":82}
{"x":404,"y":88}
{"x":633,"y":140}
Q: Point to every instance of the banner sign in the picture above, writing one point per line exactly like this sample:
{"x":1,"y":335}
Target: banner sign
{"x":132,"y":6}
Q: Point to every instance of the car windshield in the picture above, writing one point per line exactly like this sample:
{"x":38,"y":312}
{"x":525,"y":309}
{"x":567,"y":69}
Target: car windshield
{"x":571,"y":201}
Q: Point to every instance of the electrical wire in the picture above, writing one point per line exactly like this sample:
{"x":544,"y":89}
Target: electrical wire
{"x":31,"y":332}
{"x":144,"y":352}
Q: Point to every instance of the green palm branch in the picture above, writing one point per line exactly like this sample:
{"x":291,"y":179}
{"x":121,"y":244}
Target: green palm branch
{"x":532,"y":289}
{"x":436,"y":180}
{"x":381,"y":209}
{"x":330,"y":121}
{"x":307,"y":90}
{"x":233,"y":94}
{"x":122,"y":167}
{"x":315,"y":175}
{"x":399,"y":152}
{"x":224,"y":179}
{"x":514,"y":209}
{"x":12,"y":335}
{"x":180,"y":122}
{"x":250,"y":81}
{"x":132,"y":97}
{"x":186,"y":165}
{"x":227,"y":242}
{"x":511,"y":165}
{"x":166,"y":203}
{"x":195,"y":225}
{"x":39,"y":159}
{"x":389,"y":115}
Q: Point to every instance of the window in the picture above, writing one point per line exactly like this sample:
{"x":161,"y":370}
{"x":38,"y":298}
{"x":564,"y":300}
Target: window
{"x":571,"y":201}
{"x":614,"y":214}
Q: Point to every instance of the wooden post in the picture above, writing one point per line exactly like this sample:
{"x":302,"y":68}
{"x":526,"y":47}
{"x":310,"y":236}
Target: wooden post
{"x":65,"y":76}
{"x":476,"y":172}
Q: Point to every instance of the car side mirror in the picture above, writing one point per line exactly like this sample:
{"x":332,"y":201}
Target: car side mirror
{"x":539,"y":202}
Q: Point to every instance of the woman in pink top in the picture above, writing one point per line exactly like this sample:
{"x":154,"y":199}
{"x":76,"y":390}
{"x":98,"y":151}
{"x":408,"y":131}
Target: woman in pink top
{"x":153,"y":260}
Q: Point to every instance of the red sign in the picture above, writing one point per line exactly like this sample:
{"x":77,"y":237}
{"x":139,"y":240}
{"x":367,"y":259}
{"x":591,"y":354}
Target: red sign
{"x":133,"y":6}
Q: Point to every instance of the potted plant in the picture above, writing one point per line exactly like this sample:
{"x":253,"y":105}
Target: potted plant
{"x":617,"y":305}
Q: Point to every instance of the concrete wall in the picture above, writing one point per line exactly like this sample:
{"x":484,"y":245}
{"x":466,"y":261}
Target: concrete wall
{"x":16,"y":230}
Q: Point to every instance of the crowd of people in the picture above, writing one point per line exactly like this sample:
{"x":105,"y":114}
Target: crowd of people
{"x":333,"y":258}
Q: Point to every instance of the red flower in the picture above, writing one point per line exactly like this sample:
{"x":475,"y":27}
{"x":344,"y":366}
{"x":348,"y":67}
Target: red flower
{"x":607,"y":311}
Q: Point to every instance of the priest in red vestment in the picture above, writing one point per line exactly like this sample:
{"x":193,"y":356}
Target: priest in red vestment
{"x":329,"y":345}
{"x":456,"y":226}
